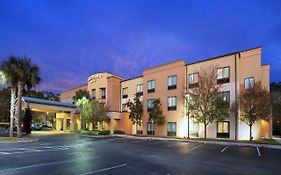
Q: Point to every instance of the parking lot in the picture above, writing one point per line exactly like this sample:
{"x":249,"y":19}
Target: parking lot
{"x":74,"y":154}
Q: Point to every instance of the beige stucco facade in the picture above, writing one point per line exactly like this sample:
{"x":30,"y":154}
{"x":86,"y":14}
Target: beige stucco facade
{"x":241,"y":65}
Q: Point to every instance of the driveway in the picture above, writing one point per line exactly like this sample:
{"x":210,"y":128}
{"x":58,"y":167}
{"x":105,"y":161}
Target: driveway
{"x":74,"y":154}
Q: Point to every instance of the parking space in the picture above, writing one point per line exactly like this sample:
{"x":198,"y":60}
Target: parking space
{"x":72,"y":154}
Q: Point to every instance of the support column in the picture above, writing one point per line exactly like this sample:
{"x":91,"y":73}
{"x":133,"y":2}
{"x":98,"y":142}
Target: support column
{"x":72,"y":121}
{"x":64,"y":123}
{"x":111,"y":125}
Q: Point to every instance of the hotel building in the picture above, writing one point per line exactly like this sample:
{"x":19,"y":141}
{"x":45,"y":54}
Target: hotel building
{"x":170,"y":82}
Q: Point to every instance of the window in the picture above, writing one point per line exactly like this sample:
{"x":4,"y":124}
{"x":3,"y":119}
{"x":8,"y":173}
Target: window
{"x":223,"y":129}
{"x":150,"y":86}
{"x":223,"y":75}
{"x":172,"y":103}
{"x":249,"y":82}
{"x":124,"y":108}
{"x":94,"y":94}
{"x":150,"y":128}
{"x":139,"y":89}
{"x":103,"y":93}
{"x":226,"y":96}
{"x":172,"y":129}
{"x":125,"y":92}
{"x":193,"y":80}
{"x":150,"y":104}
{"x":139,"y":129}
{"x":172,"y":82}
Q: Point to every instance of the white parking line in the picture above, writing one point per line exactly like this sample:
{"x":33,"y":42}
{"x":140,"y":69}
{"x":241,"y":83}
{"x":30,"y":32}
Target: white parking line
{"x":224,"y":149}
{"x":169,"y":146}
{"x":104,"y":169}
{"x":5,"y":153}
{"x":196,"y":147}
{"x":258,"y":150}
{"x":41,"y":165}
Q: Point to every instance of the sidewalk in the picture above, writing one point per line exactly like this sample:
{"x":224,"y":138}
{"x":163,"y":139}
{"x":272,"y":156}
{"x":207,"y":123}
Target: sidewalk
{"x":205,"y":142}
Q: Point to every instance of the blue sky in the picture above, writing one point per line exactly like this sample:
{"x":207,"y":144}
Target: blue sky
{"x":70,"y":39}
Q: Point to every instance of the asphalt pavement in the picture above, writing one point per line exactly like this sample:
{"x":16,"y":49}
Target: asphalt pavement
{"x":71,"y":154}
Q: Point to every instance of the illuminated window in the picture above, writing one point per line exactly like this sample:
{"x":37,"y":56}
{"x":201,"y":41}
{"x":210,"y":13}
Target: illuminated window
{"x":226,"y":96}
{"x":150,"y":86}
{"x":172,"y":129}
{"x":172,"y":103}
{"x":223,"y":129}
{"x":249,"y":82}
{"x":172,"y":82}
{"x":223,"y":75}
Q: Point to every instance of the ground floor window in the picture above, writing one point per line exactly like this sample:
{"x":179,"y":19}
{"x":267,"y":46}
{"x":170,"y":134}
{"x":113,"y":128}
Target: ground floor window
{"x":150,"y":128}
{"x":172,"y":129}
{"x":139,"y":129}
{"x":223,"y":129}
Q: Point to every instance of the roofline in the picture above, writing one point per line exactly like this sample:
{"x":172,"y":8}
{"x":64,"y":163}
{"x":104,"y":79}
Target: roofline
{"x":178,"y":60}
{"x":106,"y":72}
{"x":74,"y":88}
{"x":132,"y":78}
{"x":62,"y":104}
{"x":220,"y":56}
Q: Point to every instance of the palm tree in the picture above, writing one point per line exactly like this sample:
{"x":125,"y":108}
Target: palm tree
{"x":7,"y":68}
{"x":27,"y":76}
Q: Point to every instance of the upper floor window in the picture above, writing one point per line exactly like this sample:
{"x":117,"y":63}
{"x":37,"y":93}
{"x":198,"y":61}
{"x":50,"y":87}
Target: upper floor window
{"x":139,"y":89}
{"x":125,"y":92}
{"x":193,"y":80}
{"x":94,"y":94}
{"x":172,"y":103}
{"x":226,"y":96}
{"x":103,"y":93}
{"x":172,"y":82}
{"x":151,"y":86}
{"x":223,"y":75}
{"x":150,"y":104}
{"x":249,"y":82}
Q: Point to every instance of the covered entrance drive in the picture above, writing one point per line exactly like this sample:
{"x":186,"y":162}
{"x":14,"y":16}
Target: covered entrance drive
{"x":66,"y":117}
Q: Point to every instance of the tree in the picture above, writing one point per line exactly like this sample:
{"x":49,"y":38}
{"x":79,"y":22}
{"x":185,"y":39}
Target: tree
{"x":275,"y":91}
{"x":4,"y":104}
{"x":27,"y":119}
{"x":136,"y":110}
{"x":8,"y":69}
{"x":99,"y":111}
{"x":254,"y":104}
{"x":80,"y":94}
{"x":27,"y":76}
{"x":205,"y":101}
{"x":156,"y":114}
{"x":85,"y":110}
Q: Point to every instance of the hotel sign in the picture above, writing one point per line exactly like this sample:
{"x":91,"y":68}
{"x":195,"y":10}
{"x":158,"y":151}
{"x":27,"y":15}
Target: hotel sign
{"x":94,"y":77}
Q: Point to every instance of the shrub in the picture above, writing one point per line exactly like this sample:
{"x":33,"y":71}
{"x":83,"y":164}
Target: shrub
{"x":119,"y":132}
{"x":104,"y":132}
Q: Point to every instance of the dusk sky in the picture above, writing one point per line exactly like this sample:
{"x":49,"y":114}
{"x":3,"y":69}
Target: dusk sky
{"x":71,"y":39}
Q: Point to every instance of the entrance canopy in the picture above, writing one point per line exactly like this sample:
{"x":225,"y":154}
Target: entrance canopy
{"x":40,"y":105}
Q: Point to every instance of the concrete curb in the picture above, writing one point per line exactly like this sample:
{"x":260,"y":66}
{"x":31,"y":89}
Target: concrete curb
{"x":205,"y":142}
{"x":96,"y":136}
{"x":24,"y":141}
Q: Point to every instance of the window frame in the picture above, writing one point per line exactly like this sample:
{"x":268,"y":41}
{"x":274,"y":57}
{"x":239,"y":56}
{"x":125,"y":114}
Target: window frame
{"x":172,"y":86}
{"x":126,"y":91}
{"x":193,"y":84}
{"x":247,"y":78}
{"x":152,"y":89}
{"x":223,"y":79}
{"x":173,"y":107}
{"x":148,"y":131}
{"x":103,"y":96}
{"x":149,"y":108}
{"x":223,"y":134}
{"x":172,"y":133}
{"x":139,"y":92}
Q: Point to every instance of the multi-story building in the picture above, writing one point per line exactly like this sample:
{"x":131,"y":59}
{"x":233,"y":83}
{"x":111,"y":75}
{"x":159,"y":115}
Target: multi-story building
{"x":170,"y":83}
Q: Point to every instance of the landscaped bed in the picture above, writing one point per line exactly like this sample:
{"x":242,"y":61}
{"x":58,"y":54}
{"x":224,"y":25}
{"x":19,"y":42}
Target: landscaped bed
{"x":15,"y":139}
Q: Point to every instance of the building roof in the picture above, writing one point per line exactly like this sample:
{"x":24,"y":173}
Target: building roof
{"x":220,"y":56}
{"x":48,"y":102}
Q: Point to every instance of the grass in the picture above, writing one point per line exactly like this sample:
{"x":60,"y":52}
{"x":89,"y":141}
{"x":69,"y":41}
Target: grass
{"x":263,"y":141}
{"x":15,"y":139}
